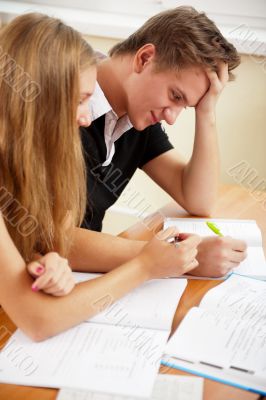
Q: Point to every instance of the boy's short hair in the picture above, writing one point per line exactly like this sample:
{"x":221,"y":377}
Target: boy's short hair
{"x":182,"y":37}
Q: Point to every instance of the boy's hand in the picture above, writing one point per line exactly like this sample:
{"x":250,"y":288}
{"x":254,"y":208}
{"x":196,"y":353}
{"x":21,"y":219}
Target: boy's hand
{"x":217,"y":83}
{"x":53,"y":275}
{"x":217,"y":256}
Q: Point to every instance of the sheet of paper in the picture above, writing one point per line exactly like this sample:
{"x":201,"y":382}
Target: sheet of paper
{"x":152,"y":305}
{"x":227,"y":331}
{"x":255,"y":264}
{"x":90,"y":356}
{"x":166,"y":387}
{"x":246,"y":230}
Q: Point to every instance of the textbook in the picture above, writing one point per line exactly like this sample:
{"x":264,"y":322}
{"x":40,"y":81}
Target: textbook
{"x":254,"y":265}
{"x":224,"y":338}
{"x":117,"y":351}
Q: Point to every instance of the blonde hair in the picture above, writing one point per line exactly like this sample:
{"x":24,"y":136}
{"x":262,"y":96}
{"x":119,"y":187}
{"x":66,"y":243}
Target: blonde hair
{"x":41,"y":160}
{"x":182,"y":37}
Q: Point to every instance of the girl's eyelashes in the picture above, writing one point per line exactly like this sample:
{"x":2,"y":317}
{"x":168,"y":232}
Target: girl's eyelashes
{"x":84,"y":98}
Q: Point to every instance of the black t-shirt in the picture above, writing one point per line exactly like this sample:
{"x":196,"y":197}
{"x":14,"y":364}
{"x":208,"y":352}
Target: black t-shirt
{"x":105,"y":184}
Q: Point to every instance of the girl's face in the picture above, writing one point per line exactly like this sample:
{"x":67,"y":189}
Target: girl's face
{"x":87,"y":85}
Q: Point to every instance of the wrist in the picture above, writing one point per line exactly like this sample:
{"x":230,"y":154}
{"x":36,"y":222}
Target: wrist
{"x":135,"y":247}
{"x":208,"y":116}
{"x":144,"y":266}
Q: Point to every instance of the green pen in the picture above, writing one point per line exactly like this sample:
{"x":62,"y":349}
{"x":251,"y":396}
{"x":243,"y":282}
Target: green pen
{"x":214,"y":228}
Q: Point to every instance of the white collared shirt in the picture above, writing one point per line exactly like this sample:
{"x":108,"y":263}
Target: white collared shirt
{"x":114,"y":127}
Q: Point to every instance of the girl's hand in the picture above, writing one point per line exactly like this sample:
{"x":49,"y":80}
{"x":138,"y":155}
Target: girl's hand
{"x":162,"y":259}
{"x":52,"y":275}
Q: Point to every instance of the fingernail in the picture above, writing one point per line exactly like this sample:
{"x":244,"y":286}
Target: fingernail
{"x":39,"y":269}
{"x":34,"y":288}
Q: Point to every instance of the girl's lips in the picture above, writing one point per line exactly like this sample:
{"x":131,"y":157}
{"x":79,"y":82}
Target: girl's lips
{"x":154,"y":119}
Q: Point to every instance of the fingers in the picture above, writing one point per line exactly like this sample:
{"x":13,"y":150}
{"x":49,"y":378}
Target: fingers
{"x":235,"y":249}
{"x":191,"y":260}
{"x":190,"y":240}
{"x":187,"y":250}
{"x":227,"y":267}
{"x":218,"y":79}
{"x":167,"y":233}
{"x":35,"y":269}
{"x":187,"y":240}
{"x":237,"y":256}
{"x":63,"y":287}
{"x":223,"y":73}
{"x":193,"y":264}
{"x":56,"y":277}
{"x":50,"y":276}
{"x":238,"y":245}
{"x":51,"y":279}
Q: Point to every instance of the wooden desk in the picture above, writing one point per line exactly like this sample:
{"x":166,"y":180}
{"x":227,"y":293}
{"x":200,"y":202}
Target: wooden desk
{"x":234,"y":202}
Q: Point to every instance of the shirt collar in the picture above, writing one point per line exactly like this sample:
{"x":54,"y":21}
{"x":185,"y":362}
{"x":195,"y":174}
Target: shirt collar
{"x":99,"y":104}
{"x":114,"y":127}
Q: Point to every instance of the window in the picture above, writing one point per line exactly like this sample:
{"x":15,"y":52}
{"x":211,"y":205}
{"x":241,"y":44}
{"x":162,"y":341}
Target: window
{"x":226,"y":12}
{"x":243,"y":22}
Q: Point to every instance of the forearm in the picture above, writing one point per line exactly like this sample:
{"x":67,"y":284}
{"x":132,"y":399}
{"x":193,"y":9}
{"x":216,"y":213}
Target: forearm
{"x":41,"y":316}
{"x":99,"y":252}
{"x":201,"y":175}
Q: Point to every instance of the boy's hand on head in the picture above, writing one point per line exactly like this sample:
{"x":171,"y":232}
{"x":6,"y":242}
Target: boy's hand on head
{"x":218,"y":81}
{"x":52,"y":275}
{"x":217,"y":256}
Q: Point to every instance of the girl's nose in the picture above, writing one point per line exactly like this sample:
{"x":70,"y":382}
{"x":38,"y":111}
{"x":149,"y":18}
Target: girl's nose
{"x":84,"y":120}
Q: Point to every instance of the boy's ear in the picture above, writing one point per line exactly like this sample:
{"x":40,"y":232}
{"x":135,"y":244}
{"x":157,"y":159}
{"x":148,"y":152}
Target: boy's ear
{"x":143,"y":57}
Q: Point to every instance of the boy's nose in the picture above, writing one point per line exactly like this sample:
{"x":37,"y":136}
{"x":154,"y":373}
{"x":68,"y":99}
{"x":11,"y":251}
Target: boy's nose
{"x":171,"y":114}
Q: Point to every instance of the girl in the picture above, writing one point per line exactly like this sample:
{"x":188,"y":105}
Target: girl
{"x":47,"y":75}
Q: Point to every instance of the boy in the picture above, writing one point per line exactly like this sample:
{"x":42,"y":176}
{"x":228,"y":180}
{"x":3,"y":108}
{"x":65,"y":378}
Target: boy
{"x":177,"y":59}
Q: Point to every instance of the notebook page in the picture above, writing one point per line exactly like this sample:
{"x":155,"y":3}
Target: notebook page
{"x":228,"y":330}
{"x":152,"y":305}
{"x":254,"y":264}
{"x":89,"y":356}
{"x":246,"y":230}
{"x":166,"y":387}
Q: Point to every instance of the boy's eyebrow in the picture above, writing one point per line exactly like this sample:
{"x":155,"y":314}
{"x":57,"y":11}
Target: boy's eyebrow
{"x":186,"y":100}
{"x":183,"y":95}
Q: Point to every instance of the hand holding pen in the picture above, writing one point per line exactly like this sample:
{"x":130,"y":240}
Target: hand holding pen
{"x":219,"y":254}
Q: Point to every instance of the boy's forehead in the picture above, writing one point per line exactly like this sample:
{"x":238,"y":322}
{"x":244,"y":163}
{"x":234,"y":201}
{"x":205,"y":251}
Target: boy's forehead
{"x":192,"y":82}
{"x":178,"y":73}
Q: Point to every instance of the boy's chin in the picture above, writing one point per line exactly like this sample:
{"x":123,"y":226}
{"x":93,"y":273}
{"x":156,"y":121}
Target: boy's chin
{"x":140,"y":125}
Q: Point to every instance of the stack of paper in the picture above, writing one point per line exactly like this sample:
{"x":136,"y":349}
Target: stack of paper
{"x":166,"y":387}
{"x":118,"y":351}
{"x":225,"y":337}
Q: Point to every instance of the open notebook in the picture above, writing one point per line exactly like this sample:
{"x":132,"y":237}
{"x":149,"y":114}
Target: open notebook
{"x":118,"y":351}
{"x":254,"y":265}
{"x":225,"y":337}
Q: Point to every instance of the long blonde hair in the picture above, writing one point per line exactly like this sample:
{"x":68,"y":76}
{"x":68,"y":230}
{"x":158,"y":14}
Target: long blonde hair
{"x":42,"y":172}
